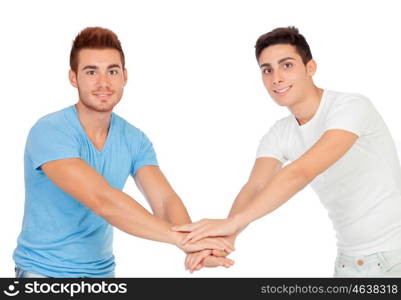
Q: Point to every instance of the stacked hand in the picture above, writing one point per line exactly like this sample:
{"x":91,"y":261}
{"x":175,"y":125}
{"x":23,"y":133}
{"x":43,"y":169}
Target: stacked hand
{"x":220,"y":244}
{"x":222,"y":230}
{"x":207,"y":258}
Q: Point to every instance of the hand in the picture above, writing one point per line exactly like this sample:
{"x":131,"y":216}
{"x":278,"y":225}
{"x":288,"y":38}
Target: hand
{"x":207,"y":243}
{"x":207,"y":228}
{"x":195,"y":261}
{"x":230,"y":239}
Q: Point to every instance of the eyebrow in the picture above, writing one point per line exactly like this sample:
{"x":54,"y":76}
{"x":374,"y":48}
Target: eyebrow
{"x":114,"y":66}
{"x":93,"y":67}
{"x":279,"y":62}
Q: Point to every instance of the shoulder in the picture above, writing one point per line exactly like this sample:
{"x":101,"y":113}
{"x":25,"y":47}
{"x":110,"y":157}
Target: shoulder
{"x":349,"y":104}
{"x":279,"y":130}
{"x":58,"y":120}
{"x":125,"y":126}
{"x":341,"y":98}
{"x":129,"y":131}
{"x":283,"y":125}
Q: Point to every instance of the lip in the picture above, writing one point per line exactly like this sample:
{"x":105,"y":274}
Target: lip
{"x":103,"y":96}
{"x":282,"y":91}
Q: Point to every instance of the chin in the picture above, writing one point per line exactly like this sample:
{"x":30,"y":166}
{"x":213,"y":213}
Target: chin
{"x":101,"y":107}
{"x":284,"y":102}
{"x":105,"y":107}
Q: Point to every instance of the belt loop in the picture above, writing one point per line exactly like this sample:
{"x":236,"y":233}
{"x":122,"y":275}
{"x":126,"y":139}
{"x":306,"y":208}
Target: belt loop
{"x":382,"y":260}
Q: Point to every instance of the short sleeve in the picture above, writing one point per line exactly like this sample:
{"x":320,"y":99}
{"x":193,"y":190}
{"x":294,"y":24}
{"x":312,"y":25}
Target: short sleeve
{"x":269,"y":145}
{"x":47,"y":142}
{"x":145,"y":154}
{"x":354,"y":114}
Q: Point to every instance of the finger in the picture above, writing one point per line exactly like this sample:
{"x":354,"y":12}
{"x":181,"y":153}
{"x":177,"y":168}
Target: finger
{"x":222,"y":261}
{"x":219,"y":253}
{"x":192,"y":237}
{"x":197,"y":235}
{"x":186,"y":227}
{"x":227,"y":262}
{"x":198,"y":267}
{"x":196,"y":260}
{"x":197,"y":256}
{"x":218,"y":244}
{"x":202,"y":232}
{"x":228,"y":244}
{"x":212,"y":261}
{"x":187,"y":260}
{"x":193,"y":256}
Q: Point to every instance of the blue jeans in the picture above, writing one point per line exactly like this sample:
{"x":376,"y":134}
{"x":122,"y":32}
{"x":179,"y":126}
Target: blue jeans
{"x":380,"y":264}
{"x":19,"y":273}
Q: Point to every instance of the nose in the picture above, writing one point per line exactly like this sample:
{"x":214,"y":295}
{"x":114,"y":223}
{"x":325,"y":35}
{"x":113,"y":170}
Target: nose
{"x":103,"y":81}
{"x":277,"y":77}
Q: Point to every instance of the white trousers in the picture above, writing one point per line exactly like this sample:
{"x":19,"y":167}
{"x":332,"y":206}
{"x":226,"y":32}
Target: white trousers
{"x":381,"y":264}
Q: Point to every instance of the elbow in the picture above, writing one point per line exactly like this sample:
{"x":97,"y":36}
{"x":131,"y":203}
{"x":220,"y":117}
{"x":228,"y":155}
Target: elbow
{"x":298,"y":175}
{"x":254,"y":187}
{"x":100,"y":202}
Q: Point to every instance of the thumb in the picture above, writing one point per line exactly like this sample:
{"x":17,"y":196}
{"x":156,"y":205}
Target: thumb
{"x":219,"y":253}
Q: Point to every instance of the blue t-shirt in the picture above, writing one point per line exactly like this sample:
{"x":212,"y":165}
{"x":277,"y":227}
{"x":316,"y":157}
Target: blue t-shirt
{"x":61,"y":237}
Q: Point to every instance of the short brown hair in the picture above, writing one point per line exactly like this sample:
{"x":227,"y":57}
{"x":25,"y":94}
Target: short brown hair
{"x":284,"y":35}
{"x":94,"y":38}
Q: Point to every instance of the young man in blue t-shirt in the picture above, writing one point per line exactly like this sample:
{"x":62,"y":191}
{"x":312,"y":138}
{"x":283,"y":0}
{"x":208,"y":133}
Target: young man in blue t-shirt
{"x":77,"y":161}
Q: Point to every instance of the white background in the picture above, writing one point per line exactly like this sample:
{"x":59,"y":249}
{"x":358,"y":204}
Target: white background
{"x":195,"y":89}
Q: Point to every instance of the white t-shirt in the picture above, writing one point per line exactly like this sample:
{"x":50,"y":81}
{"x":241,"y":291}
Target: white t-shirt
{"x":362,"y":190}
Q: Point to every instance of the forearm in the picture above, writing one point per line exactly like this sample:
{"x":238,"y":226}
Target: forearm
{"x":163,"y":200}
{"x":287,"y":182}
{"x":173,"y":211}
{"x":123,"y":212}
{"x":247,"y":193}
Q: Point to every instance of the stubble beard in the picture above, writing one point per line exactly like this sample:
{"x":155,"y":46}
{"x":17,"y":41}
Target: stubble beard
{"x":99,"y":107}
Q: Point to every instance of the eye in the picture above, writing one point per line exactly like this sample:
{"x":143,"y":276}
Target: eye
{"x":91,"y":72}
{"x":267,"y":70}
{"x":288,"y":65}
{"x":113,"y":72}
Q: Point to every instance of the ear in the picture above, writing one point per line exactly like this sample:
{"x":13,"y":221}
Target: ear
{"x":311,"y":67}
{"x":125,"y":73}
{"x":72,"y":76}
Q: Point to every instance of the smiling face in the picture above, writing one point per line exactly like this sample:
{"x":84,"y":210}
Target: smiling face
{"x":287,"y":79}
{"x":100,"y":78}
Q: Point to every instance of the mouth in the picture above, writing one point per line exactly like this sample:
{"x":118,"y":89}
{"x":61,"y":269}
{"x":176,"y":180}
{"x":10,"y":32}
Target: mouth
{"x":282,"y":91}
{"x":103,"y":96}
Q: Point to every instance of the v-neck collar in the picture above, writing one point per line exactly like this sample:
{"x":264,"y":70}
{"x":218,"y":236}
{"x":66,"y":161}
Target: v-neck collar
{"x":105,"y":145}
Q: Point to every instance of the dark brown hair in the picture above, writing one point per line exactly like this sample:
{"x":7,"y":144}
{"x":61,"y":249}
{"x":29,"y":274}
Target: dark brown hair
{"x":94,"y":38}
{"x":284,"y":35}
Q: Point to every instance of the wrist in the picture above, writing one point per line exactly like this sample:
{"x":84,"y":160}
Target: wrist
{"x":175,"y":238}
{"x":238,"y":222}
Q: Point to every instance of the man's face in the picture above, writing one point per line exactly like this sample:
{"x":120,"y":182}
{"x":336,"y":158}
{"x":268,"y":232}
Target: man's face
{"x":284,"y":74}
{"x":100,"y":78}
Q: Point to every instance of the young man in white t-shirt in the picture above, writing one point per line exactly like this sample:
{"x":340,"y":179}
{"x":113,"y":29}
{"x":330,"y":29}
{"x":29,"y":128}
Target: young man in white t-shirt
{"x":337,"y":143}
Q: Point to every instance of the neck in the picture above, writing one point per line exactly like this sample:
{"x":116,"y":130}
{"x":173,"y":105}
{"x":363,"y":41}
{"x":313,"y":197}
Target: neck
{"x":95,"y":124}
{"x":305,"y":109}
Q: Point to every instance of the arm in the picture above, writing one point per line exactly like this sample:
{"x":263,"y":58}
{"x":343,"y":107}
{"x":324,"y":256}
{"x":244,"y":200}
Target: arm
{"x":81,"y":181}
{"x":287,"y":182}
{"x":162,"y":199}
{"x":295,"y":176}
{"x":166,"y":205}
{"x":263,"y":171}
